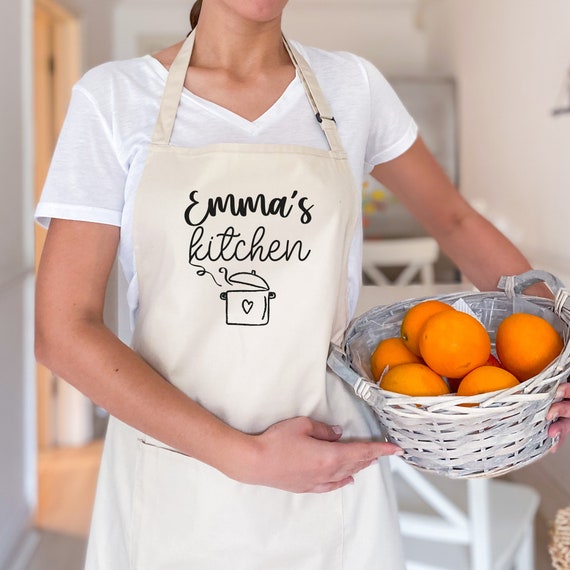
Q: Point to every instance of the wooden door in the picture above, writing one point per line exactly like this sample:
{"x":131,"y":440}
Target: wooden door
{"x":56,"y":68}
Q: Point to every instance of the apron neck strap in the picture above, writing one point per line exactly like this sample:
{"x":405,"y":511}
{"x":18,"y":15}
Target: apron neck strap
{"x":318,"y":102}
{"x":177,"y":77}
{"x":172,"y":93}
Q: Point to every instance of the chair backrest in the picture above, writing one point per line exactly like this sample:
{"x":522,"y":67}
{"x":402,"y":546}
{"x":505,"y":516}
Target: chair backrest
{"x":413,"y":255}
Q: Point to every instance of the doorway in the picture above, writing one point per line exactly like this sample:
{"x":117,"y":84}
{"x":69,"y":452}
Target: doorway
{"x":66,"y":468}
{"x":56,"y":68}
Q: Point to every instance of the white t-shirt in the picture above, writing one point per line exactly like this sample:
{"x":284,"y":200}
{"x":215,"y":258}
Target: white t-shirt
{"x":102,"y":148}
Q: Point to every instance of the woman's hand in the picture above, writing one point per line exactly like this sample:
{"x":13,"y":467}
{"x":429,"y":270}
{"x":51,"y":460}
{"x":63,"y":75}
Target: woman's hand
{"x":305,"y":456}
{"x":560,"y":414}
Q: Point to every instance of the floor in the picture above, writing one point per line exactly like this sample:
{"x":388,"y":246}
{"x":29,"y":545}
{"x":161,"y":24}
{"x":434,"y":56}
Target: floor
{"x":67,"y":486}
{"x":58,"y":551}
{"x":66,"y":480}
{"x":542,"y":538}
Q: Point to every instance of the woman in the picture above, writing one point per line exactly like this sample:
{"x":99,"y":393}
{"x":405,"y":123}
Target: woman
{"x":226,"y":170}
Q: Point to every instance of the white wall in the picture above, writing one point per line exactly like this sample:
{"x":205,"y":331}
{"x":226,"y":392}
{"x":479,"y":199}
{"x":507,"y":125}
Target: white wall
{"x":510,"y":58}
{"x":384,"y":31}
{"x":17,"y":411}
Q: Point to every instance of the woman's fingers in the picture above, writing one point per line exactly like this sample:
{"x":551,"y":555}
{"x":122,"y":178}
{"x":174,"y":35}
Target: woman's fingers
{"x":303,"y":455}
{"x":348,"y":480}
{"x":558,"y":432}
{"x":366,"y":451}
{"x":559,"y":414}
{"x":320,"y":430}
{"x":357,"y":454}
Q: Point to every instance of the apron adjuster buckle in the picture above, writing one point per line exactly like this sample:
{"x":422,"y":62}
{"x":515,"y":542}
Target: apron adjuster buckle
{"x":320,"y":118}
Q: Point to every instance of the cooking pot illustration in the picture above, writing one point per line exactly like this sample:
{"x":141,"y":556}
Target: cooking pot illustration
{"x":248,"y":303}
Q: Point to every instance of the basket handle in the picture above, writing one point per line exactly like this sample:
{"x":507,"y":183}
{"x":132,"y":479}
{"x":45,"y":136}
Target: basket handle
{"x":362,"y":387}
{"x":516,"y":284}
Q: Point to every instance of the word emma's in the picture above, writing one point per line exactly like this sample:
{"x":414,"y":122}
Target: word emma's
{"x":197,"y":212}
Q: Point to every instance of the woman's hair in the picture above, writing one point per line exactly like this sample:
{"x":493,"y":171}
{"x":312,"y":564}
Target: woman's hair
{"x":195,"y":13}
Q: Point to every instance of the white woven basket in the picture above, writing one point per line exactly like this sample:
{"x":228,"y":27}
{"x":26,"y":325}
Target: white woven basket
{"x":506,"y":430}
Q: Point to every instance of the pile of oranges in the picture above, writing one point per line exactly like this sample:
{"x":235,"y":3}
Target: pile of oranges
{"x":441,"y":350}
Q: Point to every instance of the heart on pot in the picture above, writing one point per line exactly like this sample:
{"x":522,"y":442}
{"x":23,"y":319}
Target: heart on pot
{"x":246,"y":305}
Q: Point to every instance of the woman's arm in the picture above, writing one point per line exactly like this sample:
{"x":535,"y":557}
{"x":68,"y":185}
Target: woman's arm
{"x":72,"y":340}
{"x":478,"y":249}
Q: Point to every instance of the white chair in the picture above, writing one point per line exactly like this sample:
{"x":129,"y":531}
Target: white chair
{"x":474,"y":524}
{"x":414,"y":255}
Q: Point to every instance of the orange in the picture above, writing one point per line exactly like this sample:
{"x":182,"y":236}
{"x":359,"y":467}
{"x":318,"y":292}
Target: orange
{"x":526,"y":344}
{"x":415,"y":318}
{"x":390,"y":352}
{"x":453,"y":343}
{"x":486,"y":379}
{"x":414,"y":379}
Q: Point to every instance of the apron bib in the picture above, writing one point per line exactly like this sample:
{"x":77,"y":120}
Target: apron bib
{"x":241,"y":255}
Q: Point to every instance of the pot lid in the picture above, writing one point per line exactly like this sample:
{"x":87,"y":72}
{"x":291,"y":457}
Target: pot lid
{"x":250,"y":280}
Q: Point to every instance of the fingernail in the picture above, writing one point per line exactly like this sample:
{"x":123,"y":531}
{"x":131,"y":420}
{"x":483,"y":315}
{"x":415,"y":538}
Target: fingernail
{"x":559,"y":394}
{"x":398,"y":452}
{"x":337,"y":430}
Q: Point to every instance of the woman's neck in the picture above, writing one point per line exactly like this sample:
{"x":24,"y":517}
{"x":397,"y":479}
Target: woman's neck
{"x":232,"y":42}
{"x":237,"y":63}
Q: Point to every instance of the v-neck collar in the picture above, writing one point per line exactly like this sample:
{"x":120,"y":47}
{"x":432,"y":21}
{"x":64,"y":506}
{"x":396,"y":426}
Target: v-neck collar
{"x":174,"y":91}
{"x":292,"y":92}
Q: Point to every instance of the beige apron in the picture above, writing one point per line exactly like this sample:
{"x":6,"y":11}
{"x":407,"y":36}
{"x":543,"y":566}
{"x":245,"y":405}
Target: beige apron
{"x":241,"y":254}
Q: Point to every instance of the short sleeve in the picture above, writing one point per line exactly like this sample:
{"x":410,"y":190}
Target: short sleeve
{"x":86,"y":178}
{"x":392,"y":128}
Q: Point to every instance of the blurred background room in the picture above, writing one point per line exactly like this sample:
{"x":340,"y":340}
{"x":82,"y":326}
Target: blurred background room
{"x":488,"y":82}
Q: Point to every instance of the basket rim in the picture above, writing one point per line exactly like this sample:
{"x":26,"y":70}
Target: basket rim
{"x":487,"y":398}
{"x":552,"y":373}
{"x":455,"y":296}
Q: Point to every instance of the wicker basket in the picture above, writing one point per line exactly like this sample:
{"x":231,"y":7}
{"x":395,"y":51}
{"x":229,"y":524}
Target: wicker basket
{"x":505,"y":430}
